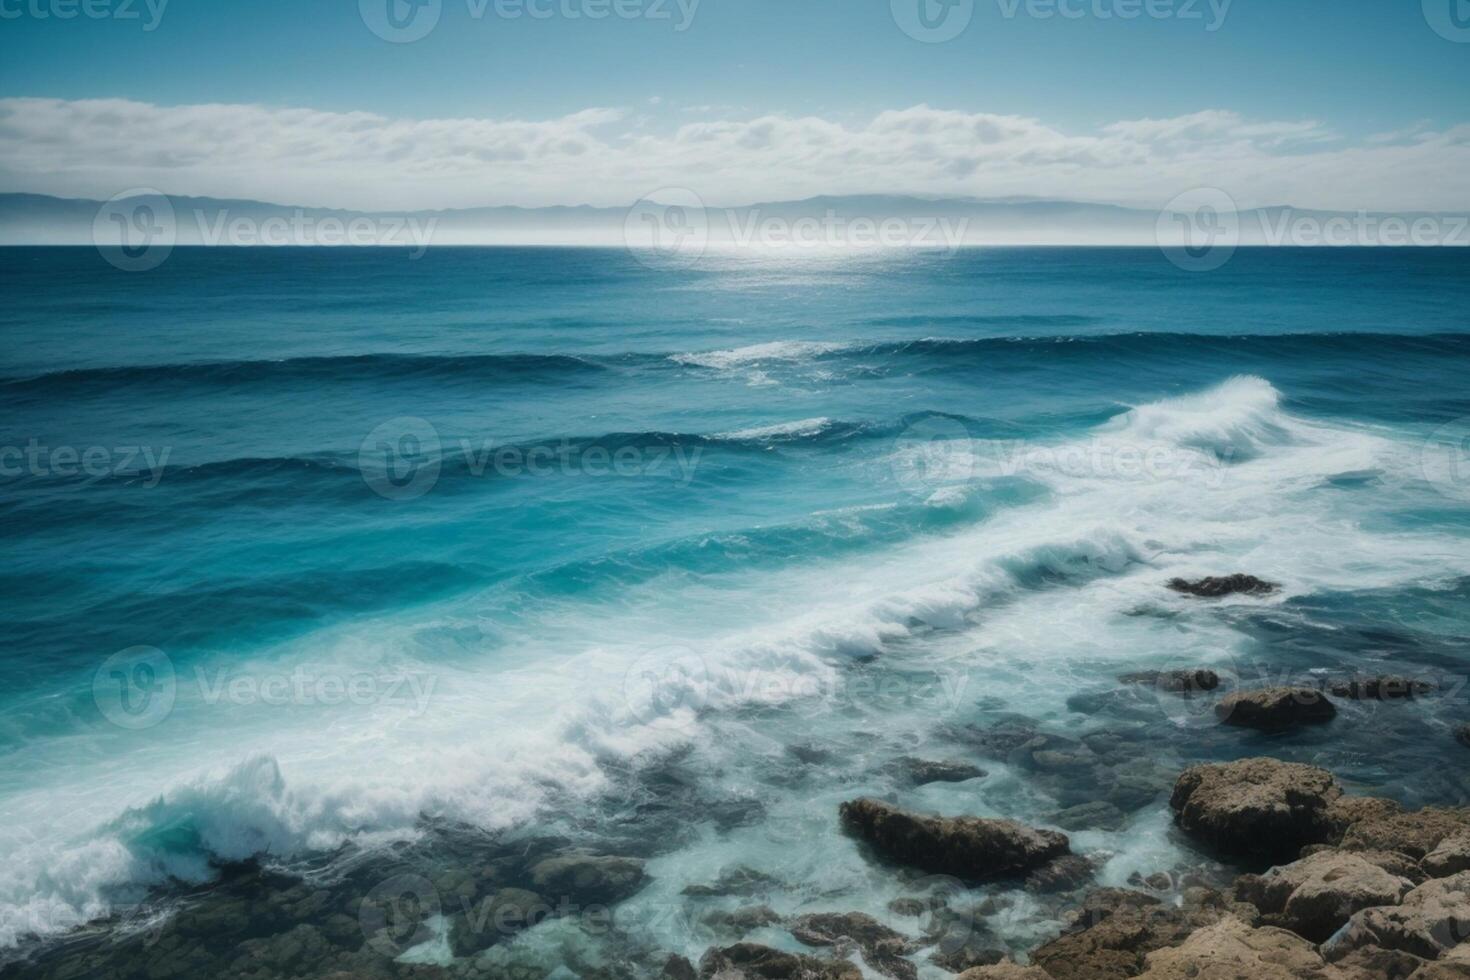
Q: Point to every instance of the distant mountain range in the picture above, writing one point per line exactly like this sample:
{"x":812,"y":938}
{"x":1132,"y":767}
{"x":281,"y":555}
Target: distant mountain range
{"x":35,"y":219}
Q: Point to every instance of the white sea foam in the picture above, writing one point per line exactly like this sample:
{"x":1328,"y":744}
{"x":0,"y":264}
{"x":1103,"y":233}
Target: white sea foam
{"x":773,"y":351}
{"x":781,"y":430}
{"x":1024,"y":606}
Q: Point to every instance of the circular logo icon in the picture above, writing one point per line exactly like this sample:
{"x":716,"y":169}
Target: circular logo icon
{"x":395,"y":915}
{"x":668,"y":229}
{"x":135,"y":688}
{"x":400,"y":21}
{"x":1199,"y":230}
{"x":1185,"y":691}
{"x":135,"y":230}
{"x":1449,"y":18}
{"x":400,"y":459}
{"x":667,"y":688}
{"x":934,"y":453}
{"x":945,"y":916}
{"x":1445,"y":459}
{"x":932,"y":21}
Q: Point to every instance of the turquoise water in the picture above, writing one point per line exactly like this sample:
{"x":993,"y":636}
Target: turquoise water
{"x":491,"y":535}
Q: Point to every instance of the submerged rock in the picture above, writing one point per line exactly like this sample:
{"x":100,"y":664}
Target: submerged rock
{"x":1257,"y":807}
{"x":748,"y":961}
{"x":972,"y":848}
{"x":1462,"y":735}
{"x":1066,"y":873}
{"x":882,"y":948}
{"x":1215,"y":588}
{"x":585,"y":877}
{"x":1098,"y":815}
{"x":1382,"y":688}
{"x":497,"y":918}
{"x":1275,"y":708}
{"x":742,"y":921}
{"x":1174,"y":681}
{"x":1314,"y":897}
{"x":741,"y":881}
{"x":920,"y":772}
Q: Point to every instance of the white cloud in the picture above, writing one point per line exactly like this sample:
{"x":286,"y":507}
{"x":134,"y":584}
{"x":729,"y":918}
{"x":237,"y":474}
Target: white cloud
{"x":604,"y":156}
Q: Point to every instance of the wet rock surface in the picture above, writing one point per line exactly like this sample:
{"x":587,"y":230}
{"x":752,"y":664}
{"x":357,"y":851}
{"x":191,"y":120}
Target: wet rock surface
{"x":1313,"y":897}
{"x":1231,"y":948}
{"x":921,"y":772}
{"x":1256,"y":807}
{"x":1115,"y":929}
{"x":882,"y":948}
{"x":1275,"y":709}
{"x":969,"y":848}
{"x":1174,"y":681}
{"x":593,"y":877}
{"x":1227,"y":585}
{"x":1431,"y":920}
{"x":748,"y":961}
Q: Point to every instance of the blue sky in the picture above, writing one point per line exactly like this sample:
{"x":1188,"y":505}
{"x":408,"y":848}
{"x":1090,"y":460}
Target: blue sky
{"x":1356,"y":69}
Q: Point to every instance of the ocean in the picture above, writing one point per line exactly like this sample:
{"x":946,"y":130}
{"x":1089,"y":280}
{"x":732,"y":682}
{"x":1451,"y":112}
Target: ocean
{"x":312,"y":555}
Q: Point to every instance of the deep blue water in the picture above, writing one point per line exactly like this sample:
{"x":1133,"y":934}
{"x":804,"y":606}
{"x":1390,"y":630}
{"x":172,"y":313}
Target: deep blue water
{"x":523,"y":476}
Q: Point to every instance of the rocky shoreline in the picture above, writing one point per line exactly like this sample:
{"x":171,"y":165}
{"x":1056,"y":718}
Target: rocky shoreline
{"x":1306,"y":879}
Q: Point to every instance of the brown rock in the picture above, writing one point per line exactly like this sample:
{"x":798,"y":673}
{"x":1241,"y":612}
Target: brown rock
{"x":1372,"y":963}
{"x":1449,"y":857}
{"x":1115,"y":929}
{"x":966,"y":847}
{"x":1315,"y":896}
{"x":1453,"y":965}
{"x":1005,"y":971}
{"x":748,"y":961}
{"x":1415,"y":834}
{"x":882,"y":947}
{"x":1232,"y":950}
{"x":1432,"y":919}
{"x":1345,"y":811}
{"x":1275,"y":709}
{"x":1258,"y":806}
{"x":1064,"y":874}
